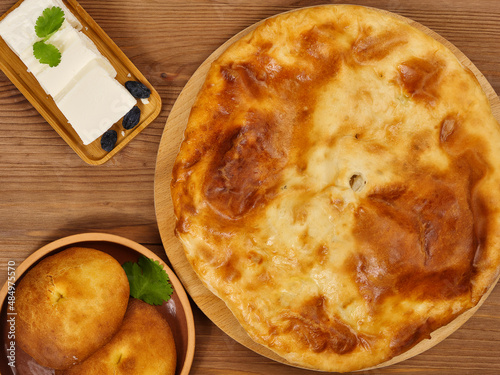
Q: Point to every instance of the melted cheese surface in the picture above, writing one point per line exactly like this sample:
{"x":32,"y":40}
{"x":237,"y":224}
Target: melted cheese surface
{"x":337,"y":186}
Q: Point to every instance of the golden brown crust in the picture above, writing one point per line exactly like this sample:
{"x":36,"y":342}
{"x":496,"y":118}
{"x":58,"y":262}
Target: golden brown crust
{"x":337,"y":186}
{"x":144,"y":345}
{"x":69,"y":305}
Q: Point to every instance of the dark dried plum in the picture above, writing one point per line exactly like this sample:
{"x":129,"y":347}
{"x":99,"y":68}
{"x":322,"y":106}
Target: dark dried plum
{"x":108,"y":140}
{"x":138,"y":89}
{"x":132,"y":118}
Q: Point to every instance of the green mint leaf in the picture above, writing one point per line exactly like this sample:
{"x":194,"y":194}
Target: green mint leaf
{"x":148,"y":281}
{"x":49,"y":22}
{"x":47,"y":53}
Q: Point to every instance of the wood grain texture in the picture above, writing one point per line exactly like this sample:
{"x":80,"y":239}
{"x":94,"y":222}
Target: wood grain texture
{"x":48,"y":192}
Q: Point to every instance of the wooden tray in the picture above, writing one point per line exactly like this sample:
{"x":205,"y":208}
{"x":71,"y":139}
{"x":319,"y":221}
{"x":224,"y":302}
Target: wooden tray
{"x":177,"y":311}
{"x":93,"y":154}
{"x":212,"y":306}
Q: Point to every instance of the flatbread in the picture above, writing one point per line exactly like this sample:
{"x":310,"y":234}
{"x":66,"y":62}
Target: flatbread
{"x":337,"y":186}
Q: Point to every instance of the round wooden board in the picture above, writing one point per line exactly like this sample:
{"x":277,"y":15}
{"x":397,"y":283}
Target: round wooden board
{"x":172,"y":137}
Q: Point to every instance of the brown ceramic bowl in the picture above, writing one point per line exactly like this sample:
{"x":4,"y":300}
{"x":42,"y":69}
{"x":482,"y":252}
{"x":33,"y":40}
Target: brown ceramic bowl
{"x":177,"y":311}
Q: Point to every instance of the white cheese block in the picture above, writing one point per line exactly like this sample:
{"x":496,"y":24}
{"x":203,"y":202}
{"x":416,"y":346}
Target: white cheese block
{"x":77,"y":50}
{"x":62,"y":39}
{"x":18,"y":27}
{"x":104,"y":62}
{"x":83,"y":85}
{"x":94,"y":103}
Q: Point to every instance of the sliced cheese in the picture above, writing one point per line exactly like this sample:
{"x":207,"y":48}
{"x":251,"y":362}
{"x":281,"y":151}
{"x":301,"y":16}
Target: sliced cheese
{"x":18,"y":28}
{"x":94,"y":103}
{"x":83,"y":85}
{"x":76,"y":52}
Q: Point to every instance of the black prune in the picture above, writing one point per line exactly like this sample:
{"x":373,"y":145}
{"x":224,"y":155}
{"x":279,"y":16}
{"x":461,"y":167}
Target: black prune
{"x":132,"y":118}
{"x":138,"y":89}
{"x":108,"y":140}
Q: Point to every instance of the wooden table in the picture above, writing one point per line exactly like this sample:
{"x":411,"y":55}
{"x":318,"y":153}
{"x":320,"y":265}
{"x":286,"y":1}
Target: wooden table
{"x":48,"y":192}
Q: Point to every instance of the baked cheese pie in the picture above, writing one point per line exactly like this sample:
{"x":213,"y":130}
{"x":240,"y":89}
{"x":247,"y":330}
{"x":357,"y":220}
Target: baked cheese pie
{"x":338,"y":186}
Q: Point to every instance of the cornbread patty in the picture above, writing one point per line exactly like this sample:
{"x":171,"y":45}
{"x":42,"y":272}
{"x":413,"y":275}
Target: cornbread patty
{"x":69,"y":305}
{"x":143,"y":345}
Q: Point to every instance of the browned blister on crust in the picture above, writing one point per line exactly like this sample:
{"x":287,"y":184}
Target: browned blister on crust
{"x":338,"y":186}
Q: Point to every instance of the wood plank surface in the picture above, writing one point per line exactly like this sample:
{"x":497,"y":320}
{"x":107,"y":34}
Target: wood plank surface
{"x":48,"y":192}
